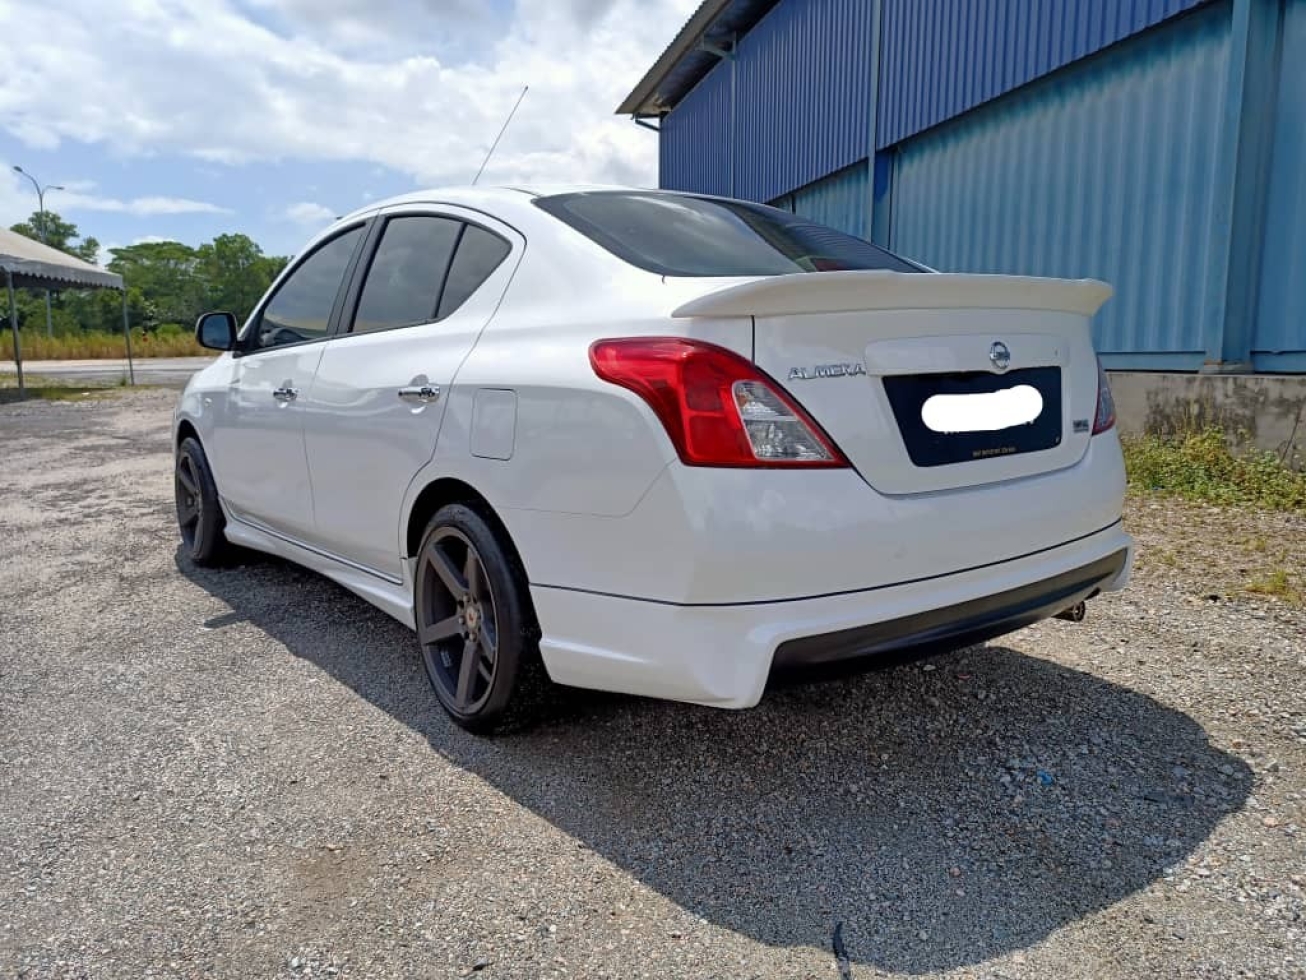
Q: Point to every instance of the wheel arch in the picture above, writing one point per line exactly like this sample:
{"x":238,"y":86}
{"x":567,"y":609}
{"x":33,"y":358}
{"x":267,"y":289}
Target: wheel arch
{"x":450,"y":490}
{"x":186,"y":430}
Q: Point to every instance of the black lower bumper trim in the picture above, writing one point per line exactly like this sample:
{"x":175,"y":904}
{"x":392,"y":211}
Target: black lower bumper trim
{"x":953,"y":627}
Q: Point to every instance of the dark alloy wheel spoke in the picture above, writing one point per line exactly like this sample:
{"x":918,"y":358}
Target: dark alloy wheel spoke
{"x":443,"y":630}
{"x":187,"y":478}
{"x":447,"y":570}
{"x":474,"y":574}
{"x":466,"y":673}
{"x":188,"y":513}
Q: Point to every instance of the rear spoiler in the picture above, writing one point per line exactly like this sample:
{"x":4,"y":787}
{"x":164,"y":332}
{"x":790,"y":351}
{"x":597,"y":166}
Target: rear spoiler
{"x":849,"y":292}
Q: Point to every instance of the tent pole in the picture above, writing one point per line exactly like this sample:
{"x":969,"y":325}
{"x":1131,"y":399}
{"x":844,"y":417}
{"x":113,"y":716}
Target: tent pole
{"x":13,"y":325}
{"x":127,"y":332}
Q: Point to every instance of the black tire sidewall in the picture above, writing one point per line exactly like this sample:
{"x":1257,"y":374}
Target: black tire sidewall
{"x":512,"y":617}
{"x":209,"y":545}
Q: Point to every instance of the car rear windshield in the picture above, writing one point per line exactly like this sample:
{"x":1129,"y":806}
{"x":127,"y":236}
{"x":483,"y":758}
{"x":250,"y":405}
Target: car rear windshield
{"x":686,"y":235}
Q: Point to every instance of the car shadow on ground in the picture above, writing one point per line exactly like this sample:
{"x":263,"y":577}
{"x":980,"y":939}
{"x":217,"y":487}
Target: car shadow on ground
{"x":941,"y":814}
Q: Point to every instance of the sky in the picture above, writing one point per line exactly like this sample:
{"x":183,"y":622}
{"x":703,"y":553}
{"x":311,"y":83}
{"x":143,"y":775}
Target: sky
{"x":185,"y":119}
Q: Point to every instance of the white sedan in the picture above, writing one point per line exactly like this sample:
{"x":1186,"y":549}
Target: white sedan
{"x":655,"y":442}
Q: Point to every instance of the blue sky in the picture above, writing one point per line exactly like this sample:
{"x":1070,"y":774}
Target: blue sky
{"x":185,"y":119}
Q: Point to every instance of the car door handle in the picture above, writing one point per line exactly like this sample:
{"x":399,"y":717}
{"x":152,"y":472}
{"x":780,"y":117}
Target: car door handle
{"x":285,"y":393}
{"x":419,"y":393}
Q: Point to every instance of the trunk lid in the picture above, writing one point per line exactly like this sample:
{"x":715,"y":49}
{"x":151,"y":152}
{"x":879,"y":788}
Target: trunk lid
{"x":929,"y":381}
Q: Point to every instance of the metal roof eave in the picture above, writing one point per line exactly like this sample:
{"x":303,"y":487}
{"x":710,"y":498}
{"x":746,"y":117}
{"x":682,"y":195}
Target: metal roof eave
{"x":39,"y":274}
{"x":33,"y":264}
{"x":642,"y":99}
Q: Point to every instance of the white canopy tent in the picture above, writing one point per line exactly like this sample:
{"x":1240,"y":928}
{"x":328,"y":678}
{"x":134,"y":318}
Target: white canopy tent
{"x":29,"y":264}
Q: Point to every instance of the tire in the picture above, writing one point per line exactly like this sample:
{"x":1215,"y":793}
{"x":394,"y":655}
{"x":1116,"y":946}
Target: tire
{"x":475,"y":625}
{"x":199,"y":515}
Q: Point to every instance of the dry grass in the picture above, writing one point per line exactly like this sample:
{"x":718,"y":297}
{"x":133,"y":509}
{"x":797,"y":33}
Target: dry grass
{"x":90,"y":345}
{"x":1219,"y":551}
{"x":54,"y":389}
{"x":1276,"y":583}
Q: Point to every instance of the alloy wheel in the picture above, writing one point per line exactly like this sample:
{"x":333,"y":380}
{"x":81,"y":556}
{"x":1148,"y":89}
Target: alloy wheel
{"x":457,"y":621}
{"x":190,"y":502}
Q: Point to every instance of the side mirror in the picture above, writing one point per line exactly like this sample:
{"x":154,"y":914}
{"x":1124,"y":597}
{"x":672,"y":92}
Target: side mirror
{"x":216,"y":331}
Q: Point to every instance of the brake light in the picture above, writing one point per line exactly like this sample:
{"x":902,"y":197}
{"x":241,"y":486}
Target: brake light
{"x":1106,"y":404}
{"x":717,"y":407}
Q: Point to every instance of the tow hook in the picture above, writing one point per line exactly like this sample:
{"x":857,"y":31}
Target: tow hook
{"x":1075,"y":614}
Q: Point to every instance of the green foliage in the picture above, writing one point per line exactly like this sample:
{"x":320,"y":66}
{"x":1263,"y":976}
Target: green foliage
{"x":168,"y":284}
{"x":1200,"y":466}
{"x":57,"y":233}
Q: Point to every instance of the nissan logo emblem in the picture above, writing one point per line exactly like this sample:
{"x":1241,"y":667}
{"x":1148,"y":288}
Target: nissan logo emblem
{"x":1000,"y":355}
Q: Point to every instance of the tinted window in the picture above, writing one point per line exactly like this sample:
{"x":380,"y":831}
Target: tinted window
{"x":403,"y":283}
{"x":683,"y":235}
{"x":479,"y":254}
{"x":301,"y":308}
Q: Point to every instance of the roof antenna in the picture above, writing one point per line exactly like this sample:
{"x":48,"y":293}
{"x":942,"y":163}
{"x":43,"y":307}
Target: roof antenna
{"x":500,"y":136}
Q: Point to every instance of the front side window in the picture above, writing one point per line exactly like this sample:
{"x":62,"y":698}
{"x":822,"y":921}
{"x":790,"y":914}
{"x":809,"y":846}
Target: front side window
{"x":301,"y":308}
{"x":685,"y":235}
{"x":407,"y":272}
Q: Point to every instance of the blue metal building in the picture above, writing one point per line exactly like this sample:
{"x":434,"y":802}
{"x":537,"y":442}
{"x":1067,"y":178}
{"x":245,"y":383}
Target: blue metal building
{"x":1159,"y":145}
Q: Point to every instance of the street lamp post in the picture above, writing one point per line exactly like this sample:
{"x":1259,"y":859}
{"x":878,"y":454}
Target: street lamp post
{"x":40,"y":203}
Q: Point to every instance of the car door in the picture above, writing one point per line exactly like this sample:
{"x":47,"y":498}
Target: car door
{"x":258,"y":440}
{"x":429,"y":282}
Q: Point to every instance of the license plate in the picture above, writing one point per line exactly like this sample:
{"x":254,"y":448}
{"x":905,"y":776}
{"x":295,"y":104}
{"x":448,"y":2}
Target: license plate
{"x":1012,"y":413}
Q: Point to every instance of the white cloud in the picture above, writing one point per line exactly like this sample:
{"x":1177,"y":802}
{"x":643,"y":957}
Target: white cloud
{"x":17,"y":201}
{"x":201,"y":77}
{"x":309,"y":213}
{"x":139,"y":206}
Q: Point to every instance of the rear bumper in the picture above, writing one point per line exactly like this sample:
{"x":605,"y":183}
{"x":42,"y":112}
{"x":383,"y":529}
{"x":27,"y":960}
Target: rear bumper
{"x":723,"y":654}
{"x":959,"y":625}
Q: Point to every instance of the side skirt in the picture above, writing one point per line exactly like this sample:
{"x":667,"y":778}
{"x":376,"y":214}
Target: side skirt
{"x":393,"y":598}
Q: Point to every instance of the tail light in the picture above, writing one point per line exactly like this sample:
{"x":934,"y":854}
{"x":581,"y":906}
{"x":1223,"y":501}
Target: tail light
{"x":717,"y":407}
{"x":1106,"y":405}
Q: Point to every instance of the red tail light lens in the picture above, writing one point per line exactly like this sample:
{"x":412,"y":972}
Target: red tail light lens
{"x":717,"y":407}
{"x":1106,"y":404}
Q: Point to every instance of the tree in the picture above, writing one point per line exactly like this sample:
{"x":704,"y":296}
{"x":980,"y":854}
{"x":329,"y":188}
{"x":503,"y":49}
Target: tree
{"x":237,"y":272}
{"x":59,"y":234}
{"x":167,"y":282}
{"x":168,"y":276}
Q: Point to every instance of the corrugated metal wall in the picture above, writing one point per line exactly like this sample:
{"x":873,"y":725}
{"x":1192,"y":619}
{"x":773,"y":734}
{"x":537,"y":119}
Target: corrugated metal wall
{"x":942,"y":57}
{"x":1107,"y":170}
{"x":1279,"y":339}
{"x":803,"y":83}
{"x":694,"y":147}
{"x":841,"y":200}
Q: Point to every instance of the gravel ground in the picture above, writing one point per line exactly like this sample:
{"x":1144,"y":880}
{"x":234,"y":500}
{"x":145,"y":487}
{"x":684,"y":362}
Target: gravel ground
{"x":243,"y":774}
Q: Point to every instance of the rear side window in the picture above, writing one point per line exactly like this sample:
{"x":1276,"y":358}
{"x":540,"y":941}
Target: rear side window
{"x":404,"y":280}
{"x":685,"y":235}
{"x":479,"y":254}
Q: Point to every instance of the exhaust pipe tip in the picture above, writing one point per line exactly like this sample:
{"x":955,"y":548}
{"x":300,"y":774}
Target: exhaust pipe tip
{"x":1075,"y":614}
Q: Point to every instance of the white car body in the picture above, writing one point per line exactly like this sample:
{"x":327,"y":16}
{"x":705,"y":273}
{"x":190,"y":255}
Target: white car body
{"x":647,"y":575}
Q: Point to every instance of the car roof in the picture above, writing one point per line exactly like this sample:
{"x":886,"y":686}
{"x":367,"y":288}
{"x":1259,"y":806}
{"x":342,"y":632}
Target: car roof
{"x":508,"y":197}
{"x":481,"y":197}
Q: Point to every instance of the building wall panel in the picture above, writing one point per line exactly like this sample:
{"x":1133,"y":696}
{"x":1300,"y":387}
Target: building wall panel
{"x":1106,"y":169}
{"x":841,"y":200}
{"x":695,"y":145}
{"x":1279,"y":337}
{"x":802,"y":105}
{"x":943,"y":57}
